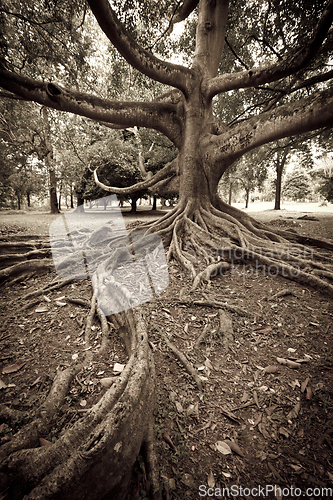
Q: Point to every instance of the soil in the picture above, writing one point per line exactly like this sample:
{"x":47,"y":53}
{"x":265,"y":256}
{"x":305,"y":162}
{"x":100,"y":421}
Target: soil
{"x":263,"y":424}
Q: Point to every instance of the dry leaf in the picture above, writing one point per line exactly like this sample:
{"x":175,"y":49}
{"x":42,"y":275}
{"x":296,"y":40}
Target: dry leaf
{"x":255,"y":397}
{"x":179,"y":407}
{"x":211,"y":480}
{"x":309,"y":393}
{"x":263,"y":329}
{"x":223,"y":448}
{"x":107,"y":381}
{"x":12,"y":368}
{"x":193,"y":410}
{"x":41,"y":309}
{"x":263,"y":431}
{"x":284,"y":432}
{"x":234,"y":447}
{"x":44,"y":442}
{"x":271,"y":369}
{"x":61,"y":304}
{"x":294,"y":412}
{"x":2,"y":384}
{"x":208,"y":364}
{"x":281,"y":361}
{"x":292,"y":364}
{"x":304,"y":384}
{"x":118,"y":368}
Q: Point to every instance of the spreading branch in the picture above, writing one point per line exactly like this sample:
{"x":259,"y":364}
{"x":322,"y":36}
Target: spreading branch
{"x":167,"y":172}
{"x":145,"y":62}
{"x":159,"y":116}
{"x":274,"y":72}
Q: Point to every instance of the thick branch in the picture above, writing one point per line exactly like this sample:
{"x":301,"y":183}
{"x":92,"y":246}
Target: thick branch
{"x":158,"y":115}
{"x":302,"y":116}
{"x":135,"y":55}
{"x":169,"y":170}
{"x":274,"y":72}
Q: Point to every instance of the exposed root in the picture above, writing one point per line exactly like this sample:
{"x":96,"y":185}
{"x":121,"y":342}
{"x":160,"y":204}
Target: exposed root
{"x":95,"y":457}
{"x":185,"y":362}
{"x":26,"y":267}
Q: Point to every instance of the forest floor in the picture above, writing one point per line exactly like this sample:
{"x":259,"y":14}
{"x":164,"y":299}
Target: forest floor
{"x":261,"y":428}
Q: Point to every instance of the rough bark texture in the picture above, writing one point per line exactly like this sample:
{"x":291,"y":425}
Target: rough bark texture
{"x":96,"y":456}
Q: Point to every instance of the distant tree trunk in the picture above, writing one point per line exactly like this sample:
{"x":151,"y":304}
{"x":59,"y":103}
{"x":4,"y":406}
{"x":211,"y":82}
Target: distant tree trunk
{"x":50,"y":163}
{"x":18,"y":202}
{"x":134,"y":200}
{"x":72,"y":198}
{"x":279,"y":171}
{"x":80,"y":204}
{"x":28,"y":199}
{"x":154,"y":202}
{"x":247,"y":198}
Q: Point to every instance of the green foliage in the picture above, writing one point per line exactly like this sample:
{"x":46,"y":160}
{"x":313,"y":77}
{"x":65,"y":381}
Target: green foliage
{"x":297,"y":185}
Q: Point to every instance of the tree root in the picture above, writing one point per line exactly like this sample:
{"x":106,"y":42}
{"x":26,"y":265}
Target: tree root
{"x":185,"y":362}
{"x":24,"y":268}
{"x":95,"y":457}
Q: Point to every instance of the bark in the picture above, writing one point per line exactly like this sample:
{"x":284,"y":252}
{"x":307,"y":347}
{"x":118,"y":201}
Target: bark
{"x":96,"y":456}
{"x":50,"y":163}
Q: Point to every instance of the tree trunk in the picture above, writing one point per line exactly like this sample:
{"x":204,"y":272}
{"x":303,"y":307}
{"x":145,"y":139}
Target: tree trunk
{"x":50,"y":163}
{"x":247,"y":198}
{"x":134,"y":200}
{"x":28,"y":199}
{"x":279,"y":171}
{"x":154,"y":203}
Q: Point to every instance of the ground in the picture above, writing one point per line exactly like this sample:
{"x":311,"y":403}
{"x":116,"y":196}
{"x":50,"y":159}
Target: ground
{"x":275,"y":416}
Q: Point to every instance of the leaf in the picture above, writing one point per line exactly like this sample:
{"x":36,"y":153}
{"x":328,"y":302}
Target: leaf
{"x":179,"y":407}
{"x":61,"y":304}
{"x":12,"y":368}
{"x":234,"y":447}
{"x":255,"y":397}
{"x":292,"y":364}
{"x":193,"y":410}
{"x":271,"y":369}
{"x":2,"y":384}
{"x":263,"y":329}
{"x":208,"y":364}
{"x":304,"y":384}
{"x":107,"y":381}
{"x":42,"y":309}
{"x":44,"y":442}
{"x":281,"y":361}
{"x":294,"y":412}
{"x":309,"y":393}
{"x":284,"y":432}
{"x":118,"y":368}
{"x":211,"y":480}
{"x":223,"y":448}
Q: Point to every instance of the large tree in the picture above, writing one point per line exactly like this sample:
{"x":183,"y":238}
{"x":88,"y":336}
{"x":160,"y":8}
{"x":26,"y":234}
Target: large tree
{"x":293,"y":43}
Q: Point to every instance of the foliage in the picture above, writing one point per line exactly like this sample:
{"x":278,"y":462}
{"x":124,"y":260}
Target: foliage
{"x":297,"y":185}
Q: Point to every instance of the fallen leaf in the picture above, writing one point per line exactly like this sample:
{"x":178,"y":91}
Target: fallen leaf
{"x":309,"y":393}
{"x":263,"y":329}
{"x":208,"y":364}
{"x":118,"y":368}
{"x":211,"y":480}
{"x":47,"y":299}
{"x":44,"y":442}
{"x":297,"y":468}
{"x":107,"y":381}
{"x":2,"y":384}
{"x":83,"y":402}
{"x":193,"y":410}
{"x":281,"y":361}
{"x":304,"y":384}
{"x":12,"y":368}
{"x":226,"y":474}
{"x":284,"y":432}
{"x":61,"y":304}
{"x":292,"y":364}
{"x":168,"y":440}
{"x":271,"y":369}
{"x":234,"y":447}
{"x":255,"y":397}
{"x":41,"y":309}
{"x":223,"y":448}
{"x":294,"y":412}
{"x":290,"y":349}
{"x":179,"y":407}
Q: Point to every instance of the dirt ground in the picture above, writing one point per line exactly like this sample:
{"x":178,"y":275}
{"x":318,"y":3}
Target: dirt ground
{"x":262,"y":427}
